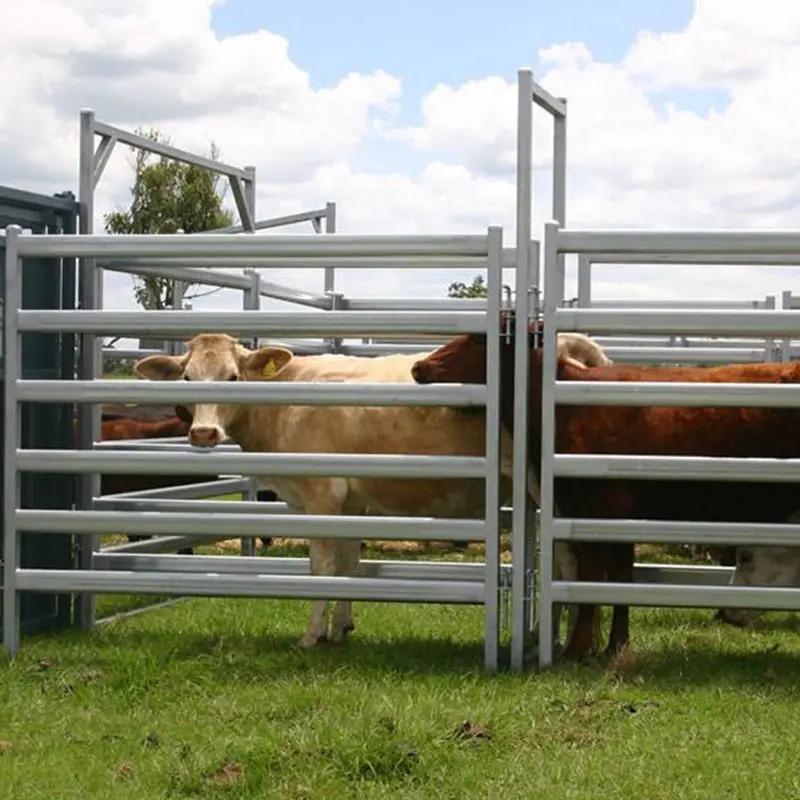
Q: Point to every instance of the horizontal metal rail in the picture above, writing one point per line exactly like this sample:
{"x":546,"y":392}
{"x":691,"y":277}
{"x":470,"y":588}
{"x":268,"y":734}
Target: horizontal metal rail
{"x":253,"y":565}
{"x":684,"y":342}
{"x":375,"y":350}
{"x":253,"y":392}
{"x":189,"y":491}
{"x":413,"y":304}
{"x":682,"y":574}
{"x":366,"y":261}
{"x":209,"y":277}
{"x":715,"y":243}
{"x":277,"y":222}
{"x":654,"y":393}
{"x":160,"y":447}
{"x":705,"y":323}
{"x":228,"y":246}
{"x":300,"y":347}
{"x":669,"y":532}
{"x":228,"y":525}
{"x":289,"y":295}
{"x":678,"y":468}
{"x":297,"y":587}
{"x":677,"y":596}
{"x":157,"y":544}
{"x":111,"y":503}
{"x":705,"y":258}
{"x":123,"y":557}
{"x":312,"y":465}
{"x":731,"y":305}
{"x":252,"y":323}
{"x":113,"y":352}
{"x":687,"y":355}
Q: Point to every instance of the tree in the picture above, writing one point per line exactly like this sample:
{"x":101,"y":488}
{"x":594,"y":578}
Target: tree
{"x":168,"y":196}
{"x":468,"y":291}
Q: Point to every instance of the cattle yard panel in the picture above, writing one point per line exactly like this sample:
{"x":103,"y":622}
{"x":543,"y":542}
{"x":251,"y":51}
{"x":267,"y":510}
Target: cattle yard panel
{"x":715,"y":248}
{"x":479,"y":251}
{"x":679,"y":350}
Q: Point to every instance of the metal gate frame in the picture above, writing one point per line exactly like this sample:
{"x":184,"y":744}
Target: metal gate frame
{"x":50,"y":284}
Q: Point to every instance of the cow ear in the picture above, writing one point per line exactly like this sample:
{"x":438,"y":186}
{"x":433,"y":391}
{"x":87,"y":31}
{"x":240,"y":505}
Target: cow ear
{"x":265,"y":363}
{"x":161,"y":367}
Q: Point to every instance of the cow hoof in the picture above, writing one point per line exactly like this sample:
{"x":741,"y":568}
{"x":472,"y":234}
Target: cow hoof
{"x":311,"y":639}
{"x":338,"y":637}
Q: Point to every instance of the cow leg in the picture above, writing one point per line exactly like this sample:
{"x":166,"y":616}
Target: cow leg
{"x":566,"y":569}
{"x":349,"y":556}
{"x":591,"y":567}
{"x":317,"y":630}
{"x":620,"y":570}
{"x":329,"y":557}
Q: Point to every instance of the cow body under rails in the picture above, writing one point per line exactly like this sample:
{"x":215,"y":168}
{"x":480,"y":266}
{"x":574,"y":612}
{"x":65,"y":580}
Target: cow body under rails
{"x":762,"y":566}
{"x":334,"y":429}
{"x":629,"y":430}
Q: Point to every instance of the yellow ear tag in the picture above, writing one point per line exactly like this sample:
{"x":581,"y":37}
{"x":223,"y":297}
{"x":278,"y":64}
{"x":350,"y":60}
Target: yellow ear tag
{"x":270,"y":369}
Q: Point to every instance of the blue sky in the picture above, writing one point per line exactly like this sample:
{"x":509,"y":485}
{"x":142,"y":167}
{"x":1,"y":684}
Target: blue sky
{"x":426,"y":42}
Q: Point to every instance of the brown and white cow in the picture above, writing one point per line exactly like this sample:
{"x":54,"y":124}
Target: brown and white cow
{"x":333,"y":429}
{"x":630,"y":430}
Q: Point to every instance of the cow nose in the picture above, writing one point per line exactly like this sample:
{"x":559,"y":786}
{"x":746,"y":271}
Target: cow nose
{"x":728,"y":618}
{"x":417,"y":373}
{"x":205,"y":435}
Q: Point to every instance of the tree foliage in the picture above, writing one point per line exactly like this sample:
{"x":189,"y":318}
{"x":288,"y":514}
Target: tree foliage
{"x":468,"y":290}
{"x":168,"y":196}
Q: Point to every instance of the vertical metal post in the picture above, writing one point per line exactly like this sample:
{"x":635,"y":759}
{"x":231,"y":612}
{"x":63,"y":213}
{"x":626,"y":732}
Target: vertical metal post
{"x":175,"y":347}
{"x":251,"y":301}
{"x":560,"y":167}
{"x":337,"y":302}
{"x":553,"y":293}
{"x":786,"y":343}
{"x":250,"y":197}
{"x":330,"y":227}
{"x":772,"y":347}
{"x":521,"y":361}
{"x":330,"y":272}
{"x":584,"y":280}
{"x":11,"y":478}
{"x":91,"y":360}
{"x":494,"y":283}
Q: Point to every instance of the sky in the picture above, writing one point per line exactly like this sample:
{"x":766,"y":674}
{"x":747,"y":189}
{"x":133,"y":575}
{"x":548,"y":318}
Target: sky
{"x":680,"y":115}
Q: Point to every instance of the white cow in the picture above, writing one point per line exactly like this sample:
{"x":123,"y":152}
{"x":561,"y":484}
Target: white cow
{"x":344,"y":429}
{"x":762,"y":566}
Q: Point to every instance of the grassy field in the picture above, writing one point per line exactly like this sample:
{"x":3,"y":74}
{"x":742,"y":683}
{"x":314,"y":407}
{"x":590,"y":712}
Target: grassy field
{"x":213,"y":698}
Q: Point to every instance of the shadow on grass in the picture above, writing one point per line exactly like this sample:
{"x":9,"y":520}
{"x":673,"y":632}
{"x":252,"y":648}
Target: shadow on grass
{"x":236,"y":656}
{"x":718,"y":668}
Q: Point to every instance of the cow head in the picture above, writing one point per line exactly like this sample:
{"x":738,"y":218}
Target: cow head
{"x":761,"y":566}
{"x":214,"y":357}
{"x":462,"y":360}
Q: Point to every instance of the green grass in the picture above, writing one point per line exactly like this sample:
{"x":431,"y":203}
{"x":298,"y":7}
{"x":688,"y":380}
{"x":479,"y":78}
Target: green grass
{"x":155,"y":706}
{"x":214,"y":698}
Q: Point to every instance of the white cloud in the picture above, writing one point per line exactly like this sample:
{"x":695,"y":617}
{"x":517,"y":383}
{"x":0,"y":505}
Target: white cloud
{"x":633,"y":159}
